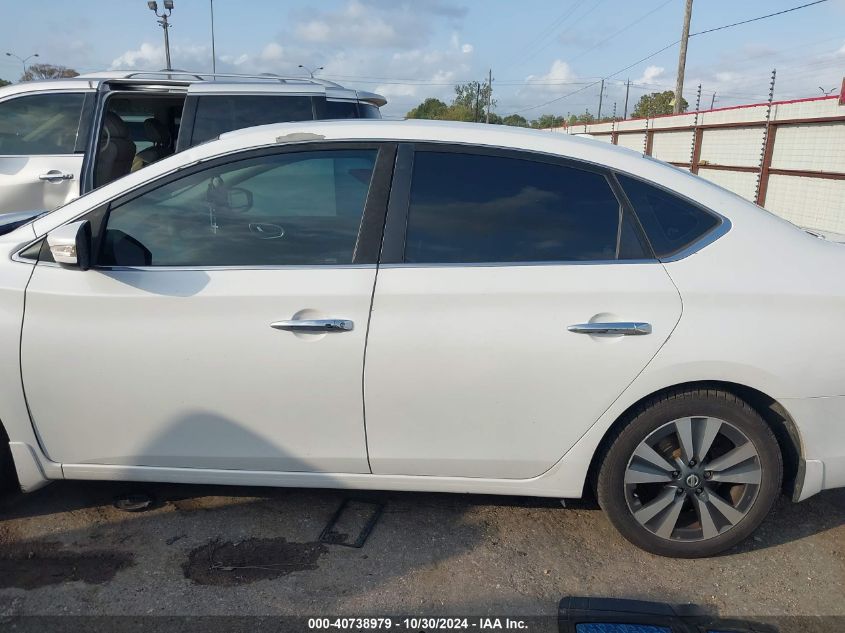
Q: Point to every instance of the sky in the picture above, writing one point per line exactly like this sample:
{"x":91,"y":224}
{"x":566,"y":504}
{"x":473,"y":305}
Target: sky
{"x":546,"y":56}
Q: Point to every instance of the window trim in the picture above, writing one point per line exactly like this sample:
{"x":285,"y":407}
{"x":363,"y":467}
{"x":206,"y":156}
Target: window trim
{"x":370,"y":229}
{"x":396,"y":225}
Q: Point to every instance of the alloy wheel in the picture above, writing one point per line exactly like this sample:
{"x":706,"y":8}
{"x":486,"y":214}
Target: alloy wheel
{"x":692,"y":479}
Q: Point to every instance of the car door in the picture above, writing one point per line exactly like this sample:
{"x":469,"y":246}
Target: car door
{"x":486,"y":355}
{"x":42,"y":146}
{"x":223,"y":324}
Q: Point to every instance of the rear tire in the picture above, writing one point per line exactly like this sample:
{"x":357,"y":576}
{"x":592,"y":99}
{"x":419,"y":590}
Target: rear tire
{"x":693,"y":473}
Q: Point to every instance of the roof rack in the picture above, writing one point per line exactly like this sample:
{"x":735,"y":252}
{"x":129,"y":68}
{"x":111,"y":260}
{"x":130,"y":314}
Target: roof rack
{"x":202,"y":76}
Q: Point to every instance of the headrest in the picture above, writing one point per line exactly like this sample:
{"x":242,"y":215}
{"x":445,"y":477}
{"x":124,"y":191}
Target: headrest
{"x":114,"y":126}
{"x":156,"y":131}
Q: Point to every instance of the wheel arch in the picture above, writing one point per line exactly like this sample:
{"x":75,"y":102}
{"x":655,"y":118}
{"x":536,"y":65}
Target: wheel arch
{"x":772,"y":412}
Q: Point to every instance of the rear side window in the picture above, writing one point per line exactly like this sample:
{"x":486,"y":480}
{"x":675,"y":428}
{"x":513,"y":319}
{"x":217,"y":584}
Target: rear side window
{"x":467,"y":208}
{"x":670,"y":223}
{"x":40,"y":124}
{"x":223,"y":113}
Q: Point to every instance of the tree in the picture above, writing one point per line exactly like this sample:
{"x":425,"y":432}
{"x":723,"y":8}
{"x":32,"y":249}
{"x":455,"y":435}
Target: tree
{"x":547,"y":121}
{"x":657,"y":103}
{"x":516,"y":120}
{"x":3,"y":82}
{"x":47,"y":71}
{"x":473,"y":96}
{"x":431,"y":108}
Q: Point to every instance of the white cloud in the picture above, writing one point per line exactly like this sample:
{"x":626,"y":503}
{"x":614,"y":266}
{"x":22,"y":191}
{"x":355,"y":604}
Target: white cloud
{"x":151,"y":57}
{"x":652,"y":74}
{"x":357,"y":43}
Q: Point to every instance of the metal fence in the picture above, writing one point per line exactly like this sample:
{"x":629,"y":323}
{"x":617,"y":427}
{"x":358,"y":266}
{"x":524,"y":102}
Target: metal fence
{"x":788,"y":156}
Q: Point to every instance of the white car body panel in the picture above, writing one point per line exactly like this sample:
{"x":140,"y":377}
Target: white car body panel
{"x":471,"y":371}
{"x":21,"y":187}
{"x":761,"y":308}
{"x":196,"y":376}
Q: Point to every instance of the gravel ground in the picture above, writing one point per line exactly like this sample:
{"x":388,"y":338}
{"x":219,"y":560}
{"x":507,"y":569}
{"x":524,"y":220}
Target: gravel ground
{"x":256,"y":551}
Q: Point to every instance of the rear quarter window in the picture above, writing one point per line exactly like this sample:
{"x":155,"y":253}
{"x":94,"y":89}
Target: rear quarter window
{"x":670,"y":222}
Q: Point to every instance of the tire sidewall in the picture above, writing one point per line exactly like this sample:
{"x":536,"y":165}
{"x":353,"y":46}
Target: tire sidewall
{"x":611,"y":489}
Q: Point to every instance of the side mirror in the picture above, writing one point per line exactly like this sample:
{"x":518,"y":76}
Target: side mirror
{"x":70,"y":244}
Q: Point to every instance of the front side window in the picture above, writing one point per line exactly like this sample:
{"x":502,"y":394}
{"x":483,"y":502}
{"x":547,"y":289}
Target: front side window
{"x":467,"y":208}
{"x":298,"y":208}
{"x":40,"y":124}
{"x":217,"y":114}
{"x":669,"y":222}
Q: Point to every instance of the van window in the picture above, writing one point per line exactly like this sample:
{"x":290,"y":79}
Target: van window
{"x":217,"y":114}
{"x":45,"y":123}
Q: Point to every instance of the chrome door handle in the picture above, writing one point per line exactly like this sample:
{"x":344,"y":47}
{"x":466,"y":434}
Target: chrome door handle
{"x":628,"y":328}
{"x":54,"y":175}
{"x":314,"y":325}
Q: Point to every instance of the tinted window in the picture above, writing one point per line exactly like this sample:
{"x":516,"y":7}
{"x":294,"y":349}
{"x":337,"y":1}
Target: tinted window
{"x":224,"y":113}
{"x":473,"y":208}
{"x":40,"y":124}
{"x":669,"y":222}
{"x":369,"y":111}
{"x":341,"y":110}
{"x":296,"y":208}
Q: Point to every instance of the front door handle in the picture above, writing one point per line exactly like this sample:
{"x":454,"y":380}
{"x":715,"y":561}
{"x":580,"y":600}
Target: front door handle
{"x":627,"y":328}
{"x":314,"y":325}
{"x":54,"y":175}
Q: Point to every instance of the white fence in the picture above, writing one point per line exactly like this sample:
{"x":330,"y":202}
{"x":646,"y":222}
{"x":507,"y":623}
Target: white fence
{"x":796,"y":169}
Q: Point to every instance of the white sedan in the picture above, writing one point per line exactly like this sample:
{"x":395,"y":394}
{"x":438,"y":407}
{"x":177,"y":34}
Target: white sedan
{"x":430,"y":306}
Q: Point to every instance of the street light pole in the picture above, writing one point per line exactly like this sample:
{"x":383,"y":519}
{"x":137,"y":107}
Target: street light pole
{"x":309,"y":71}
{"x":162,"y":21}
{"x":22,"y":60}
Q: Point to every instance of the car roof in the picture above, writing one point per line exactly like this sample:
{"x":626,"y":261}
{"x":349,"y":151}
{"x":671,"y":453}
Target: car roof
{"x":215,"y":82}
{"x":450,"y":132}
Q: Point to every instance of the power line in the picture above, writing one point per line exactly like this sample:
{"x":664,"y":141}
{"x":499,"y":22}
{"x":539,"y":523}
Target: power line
{"x":667,"y":47}
{"x":622,"y":30}
{"x":568,"y":28}
{"x":762,"y":17}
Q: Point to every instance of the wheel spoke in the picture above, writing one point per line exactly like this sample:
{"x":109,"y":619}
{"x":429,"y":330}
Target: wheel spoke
{"x":724,"y":508}
{"x":704,"y":432}
{"x":648,"y":454}
{"x":646,"y":474}
{"x":743,"y":474}
{"x":667,"y":524}
{"x":683,"y":429}
{"x":732,"y":458}
{"x":708,"y":526}
{"x":655,"y":507}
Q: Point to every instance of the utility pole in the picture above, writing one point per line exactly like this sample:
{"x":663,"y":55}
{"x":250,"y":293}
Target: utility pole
{"x":213,"y":53}
{"x":163,"y":23}
{"x":627,"y":89}
{"x":682,"y":58}
{"x":601,"y":96}
{"x":477,"y":99}
{"x":489,"y":93}
{"x":712,"y":100}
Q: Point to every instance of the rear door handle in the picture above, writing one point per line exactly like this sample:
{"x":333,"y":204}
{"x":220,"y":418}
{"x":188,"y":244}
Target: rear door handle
{"x":627,"y":328}
{"x":54,"y":175}
{"x":314,"y":325}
